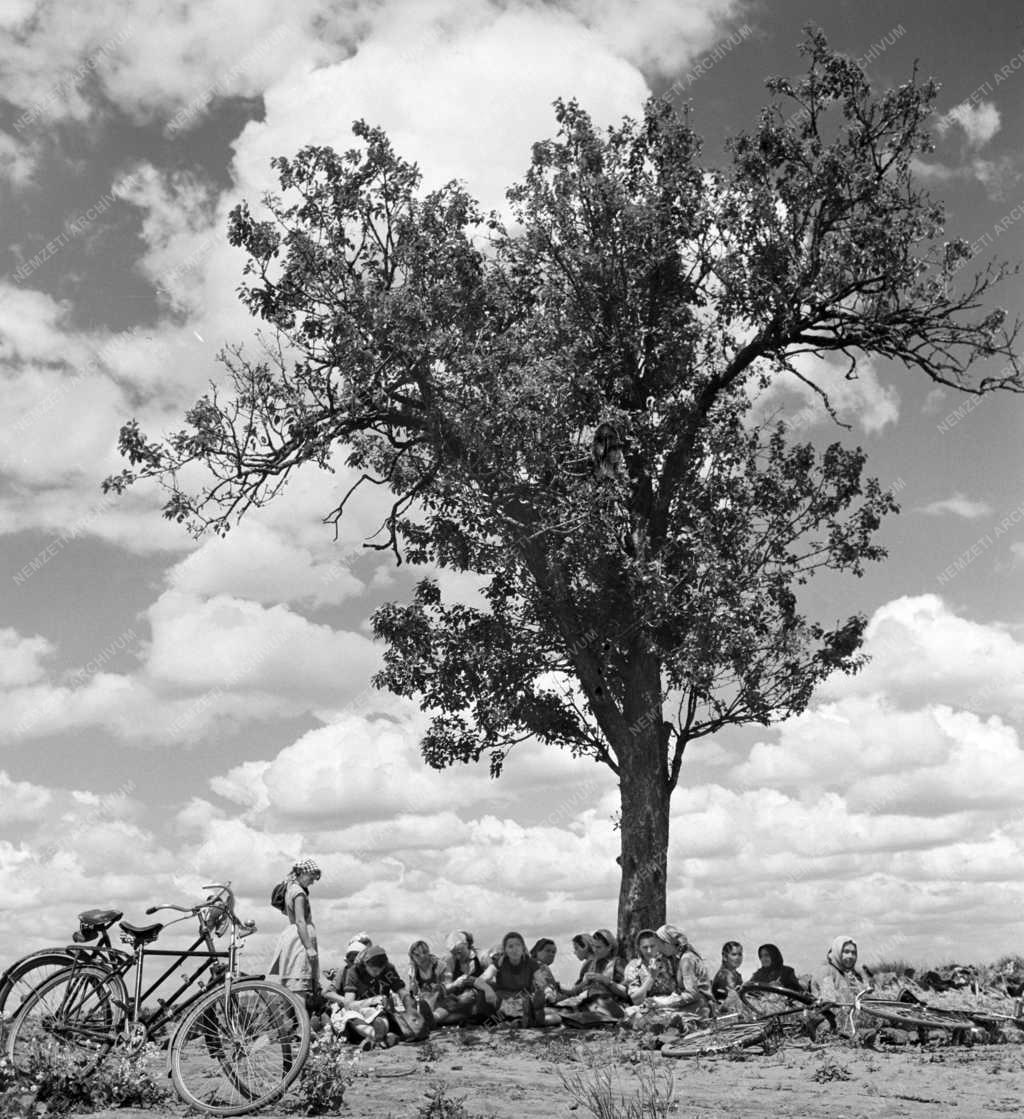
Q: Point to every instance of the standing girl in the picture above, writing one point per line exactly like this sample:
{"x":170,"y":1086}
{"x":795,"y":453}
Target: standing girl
{"x":296,"y":959}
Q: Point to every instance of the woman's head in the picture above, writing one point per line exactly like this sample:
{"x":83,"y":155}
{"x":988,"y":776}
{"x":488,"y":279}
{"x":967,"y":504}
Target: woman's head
{"x":583,"y":946}
{"x":604,"y":944}
{"x":544,"y":951}
{"x":732,"y":953}
{"x":673,"y":942}
{"x":842,"y":953}
{"x":513,"y":946}
{"x":374,"y":959}
{"x":648,"y":945}
{"x":305,"y":872}
{"x":769,"y":956}
{"x":419,"y":952}
{"x":459,"y":944}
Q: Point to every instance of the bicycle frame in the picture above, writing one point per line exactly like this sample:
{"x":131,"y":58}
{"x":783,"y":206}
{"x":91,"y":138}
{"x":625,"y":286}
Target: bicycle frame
{"x":172,"y":1005}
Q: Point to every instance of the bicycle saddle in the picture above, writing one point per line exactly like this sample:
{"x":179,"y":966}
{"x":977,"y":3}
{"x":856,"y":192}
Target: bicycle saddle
{"x":100,"y":918}
{"x":141,"y":934}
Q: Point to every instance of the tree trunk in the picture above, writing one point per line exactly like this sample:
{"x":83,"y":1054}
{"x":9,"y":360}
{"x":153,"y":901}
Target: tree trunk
{"x":645,"y":799}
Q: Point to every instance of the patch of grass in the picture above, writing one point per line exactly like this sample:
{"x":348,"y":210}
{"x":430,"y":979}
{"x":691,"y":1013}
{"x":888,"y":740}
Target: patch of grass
{"x":594,"y":1090}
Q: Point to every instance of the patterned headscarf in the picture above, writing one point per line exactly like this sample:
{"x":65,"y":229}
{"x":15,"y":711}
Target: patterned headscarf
{"x":835,"y":952}
{"x":609,"y":938}
{"x":306,"y":866}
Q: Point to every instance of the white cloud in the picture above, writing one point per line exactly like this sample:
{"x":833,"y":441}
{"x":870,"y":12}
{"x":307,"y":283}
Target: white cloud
{"x":958,"y":505}
{"x":979,"y":122}
{"x":862,"y":398}
{"x":258,"y":563}
{"x":916,"y":642}
{"x":21,"y":658}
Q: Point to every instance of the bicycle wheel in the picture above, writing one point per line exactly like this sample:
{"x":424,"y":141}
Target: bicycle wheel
{"x":913,"y":1016}
{"x":24,"y":976}
{"x":707,"y":1042}
{"x":237,"y":1050}
{"x":73,"y":1015}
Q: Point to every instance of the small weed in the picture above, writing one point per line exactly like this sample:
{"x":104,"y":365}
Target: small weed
{"x":439,"y":1105}
{"x":325,"y":1076}
{"x":428,"y":1053}
{"x":831,"y":1070}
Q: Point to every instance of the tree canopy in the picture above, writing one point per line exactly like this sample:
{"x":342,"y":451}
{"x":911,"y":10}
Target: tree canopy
{"x":565,"y":406}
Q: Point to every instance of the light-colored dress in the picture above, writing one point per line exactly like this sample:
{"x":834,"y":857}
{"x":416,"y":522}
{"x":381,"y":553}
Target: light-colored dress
{"x":290,"y":961}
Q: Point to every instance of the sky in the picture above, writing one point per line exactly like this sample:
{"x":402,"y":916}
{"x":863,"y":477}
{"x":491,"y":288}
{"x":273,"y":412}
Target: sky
{"x":178,"y":712}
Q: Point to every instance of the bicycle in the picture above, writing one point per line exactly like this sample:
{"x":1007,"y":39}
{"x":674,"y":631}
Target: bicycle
{"x":22,"y":977}
{"x":766,"y":1031}
{"x":238,"y":1042}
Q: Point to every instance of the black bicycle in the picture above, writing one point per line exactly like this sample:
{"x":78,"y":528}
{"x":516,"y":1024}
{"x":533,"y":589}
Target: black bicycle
{"x":22,"y":977}
{"x":238,"y":1042}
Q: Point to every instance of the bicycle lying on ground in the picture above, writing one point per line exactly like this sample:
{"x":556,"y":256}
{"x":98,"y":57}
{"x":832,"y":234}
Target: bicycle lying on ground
{"x":19,"y":980}
{"x":767,"y":1030}
{"x":238,"y":1042}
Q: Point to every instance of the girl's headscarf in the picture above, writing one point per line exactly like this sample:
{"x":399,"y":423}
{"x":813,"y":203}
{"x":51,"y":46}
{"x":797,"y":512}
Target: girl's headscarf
{"x":609,"y":938}
{"x":540,"y":946}
{"x":584,"y":940}
{"x":676,"y":940}
{"x":835,"y":951}
{"x":774,"y":969}
{"x":456,"y":938}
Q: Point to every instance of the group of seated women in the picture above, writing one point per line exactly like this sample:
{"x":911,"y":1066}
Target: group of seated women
{"x":666,"y":979}
{"x":516,"y":985}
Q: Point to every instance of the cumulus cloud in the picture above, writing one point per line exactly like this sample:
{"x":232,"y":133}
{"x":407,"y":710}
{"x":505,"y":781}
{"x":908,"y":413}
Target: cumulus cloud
{"x":21,"y":658}
{"x":979,"y":123}
{"x":863,"y":398}
{"x":958,"y":505}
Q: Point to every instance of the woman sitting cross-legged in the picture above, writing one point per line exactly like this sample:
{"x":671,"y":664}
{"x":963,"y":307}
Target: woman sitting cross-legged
{"x":544,"y":952}
{"x":692,"y":976}
{"x":514,"y":986}
{"x":839,"y":980}
{"x":426,"y":974}
{"x":460,"y":1002}
{"x":773,"y":972}
{"x":651,"y":984}
{"x":727,"y":982}
{"x":361,"y":1007}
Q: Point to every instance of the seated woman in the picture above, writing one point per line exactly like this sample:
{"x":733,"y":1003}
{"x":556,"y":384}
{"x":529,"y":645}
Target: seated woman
{"x":460,"y":1001}
{"x":605,"y":978}
{"x":360,"y":1009}
{"x":426,"y":975}
{"x":773,"y":972}
{"x":839,"y":980}
{"x":583,"y":950}
{"x":513,"y":986}
{"x":650,"y":982}
{"x":727,"y":981}
{"x":544,"y":952}
{"x":692,"y":978}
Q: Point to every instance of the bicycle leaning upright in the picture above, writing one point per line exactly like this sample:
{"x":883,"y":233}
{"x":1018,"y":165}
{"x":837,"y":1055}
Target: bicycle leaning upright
{"x":238,"y":1041}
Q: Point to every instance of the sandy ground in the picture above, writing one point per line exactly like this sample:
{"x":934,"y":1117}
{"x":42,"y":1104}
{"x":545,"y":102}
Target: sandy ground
{"x":519,"y":1076}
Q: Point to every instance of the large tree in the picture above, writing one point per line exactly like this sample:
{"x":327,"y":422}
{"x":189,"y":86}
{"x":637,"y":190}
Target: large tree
{"x":563,"y":406}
